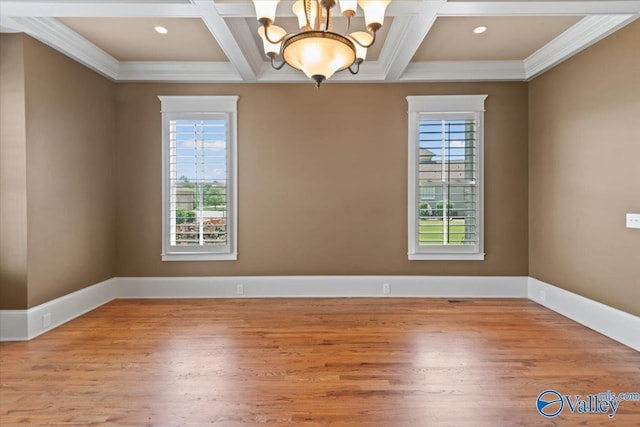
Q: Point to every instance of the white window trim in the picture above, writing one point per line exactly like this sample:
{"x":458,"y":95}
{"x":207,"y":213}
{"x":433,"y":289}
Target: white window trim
{"x":473,"y":104}
{"x":173,"y":107}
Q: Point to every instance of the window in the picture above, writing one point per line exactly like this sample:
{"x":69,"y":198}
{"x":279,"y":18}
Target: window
{"x":427,"y":194}
{"x":199,"y":176}
{"x":446,"y":177}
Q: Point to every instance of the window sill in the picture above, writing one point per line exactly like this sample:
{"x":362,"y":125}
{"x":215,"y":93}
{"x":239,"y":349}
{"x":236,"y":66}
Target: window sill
{"x":199,"y":257}
{"x":446,"y":257}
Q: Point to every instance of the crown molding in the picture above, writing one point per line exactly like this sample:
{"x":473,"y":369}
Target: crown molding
{"x":588,"y":31}
{"x":179,"y":72}
{"x":223,"y":72}
{"x":8,"y":25}
{"x":458,"y":71}
{"x":370,"y":72}
{"x":285,"y":75}
{"x":53,"y":33}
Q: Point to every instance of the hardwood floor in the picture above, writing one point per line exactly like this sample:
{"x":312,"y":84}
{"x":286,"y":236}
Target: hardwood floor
{"x":316,"y":362}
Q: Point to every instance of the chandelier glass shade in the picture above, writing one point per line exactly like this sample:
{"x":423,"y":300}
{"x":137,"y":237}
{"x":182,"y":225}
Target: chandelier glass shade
{"x":316,"y":49}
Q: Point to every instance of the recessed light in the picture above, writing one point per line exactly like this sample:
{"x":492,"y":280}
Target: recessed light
{"x":160,"y":29}
{"x":479,"y":30}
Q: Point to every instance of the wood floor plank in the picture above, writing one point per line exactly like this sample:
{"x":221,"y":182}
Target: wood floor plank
{"x":313,"y":362}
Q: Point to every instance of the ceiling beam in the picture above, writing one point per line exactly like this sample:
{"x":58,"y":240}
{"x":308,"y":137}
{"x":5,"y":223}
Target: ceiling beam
{"x":243,"y":34}
{"x":245,"y":9}
{"x":123,"y":8}
{"x":221,"y":32}
{"x":538,"y":8}
{"x":108,"y":9}
{"x":398,"y":52}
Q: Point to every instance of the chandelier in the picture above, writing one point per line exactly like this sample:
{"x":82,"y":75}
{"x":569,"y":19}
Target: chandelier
{"x":317,"y":50}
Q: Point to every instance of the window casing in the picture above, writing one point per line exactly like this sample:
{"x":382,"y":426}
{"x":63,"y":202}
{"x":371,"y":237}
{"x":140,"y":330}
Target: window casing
{"x":446,"y":177}
{"x":199,"y":178}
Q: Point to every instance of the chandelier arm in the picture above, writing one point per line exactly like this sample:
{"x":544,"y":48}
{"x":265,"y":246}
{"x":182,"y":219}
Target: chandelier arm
{"x":366,"y":46}
{"x":357,"y":62}
{"x":327,"y":22}
{"x":273,"y":63}
{"x":266,"y":36}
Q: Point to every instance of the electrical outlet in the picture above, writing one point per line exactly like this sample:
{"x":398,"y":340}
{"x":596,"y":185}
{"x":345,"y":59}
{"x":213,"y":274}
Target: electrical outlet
{"x":46,"y":320}
{"x":386,"y":289}
{"x":240,"y":289}
{"x":543,"y":296}
{"x":633,"y":220}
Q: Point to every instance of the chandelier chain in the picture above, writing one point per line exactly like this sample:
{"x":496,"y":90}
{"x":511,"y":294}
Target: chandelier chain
{"x":307,"y":10}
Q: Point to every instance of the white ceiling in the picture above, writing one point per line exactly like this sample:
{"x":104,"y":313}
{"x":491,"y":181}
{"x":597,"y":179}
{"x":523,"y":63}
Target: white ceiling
{"x":216,"y":41}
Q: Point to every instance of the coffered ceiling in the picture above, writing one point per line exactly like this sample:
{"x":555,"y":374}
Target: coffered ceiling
{"x":216,"y":40}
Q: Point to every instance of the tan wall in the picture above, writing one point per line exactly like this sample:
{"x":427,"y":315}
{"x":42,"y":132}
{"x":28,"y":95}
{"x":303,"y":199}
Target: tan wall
{"x":13,"y":173}
{"x":584,"y":146}
{"x":322,"y":180}
{"x":70,"y":174}
{"x":322,"y":176}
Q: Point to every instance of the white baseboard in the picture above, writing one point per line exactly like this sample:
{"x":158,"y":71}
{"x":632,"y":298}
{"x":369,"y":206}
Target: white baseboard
{"x":14,"y":325}
{"x":322,"y":286}
{"x":22,"y":325}
{"x":613,"y":323}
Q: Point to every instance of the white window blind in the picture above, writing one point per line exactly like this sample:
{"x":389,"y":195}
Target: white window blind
{"x":198,"y":182}
{"x":199,"y":219}
{"x":445,"y":179}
